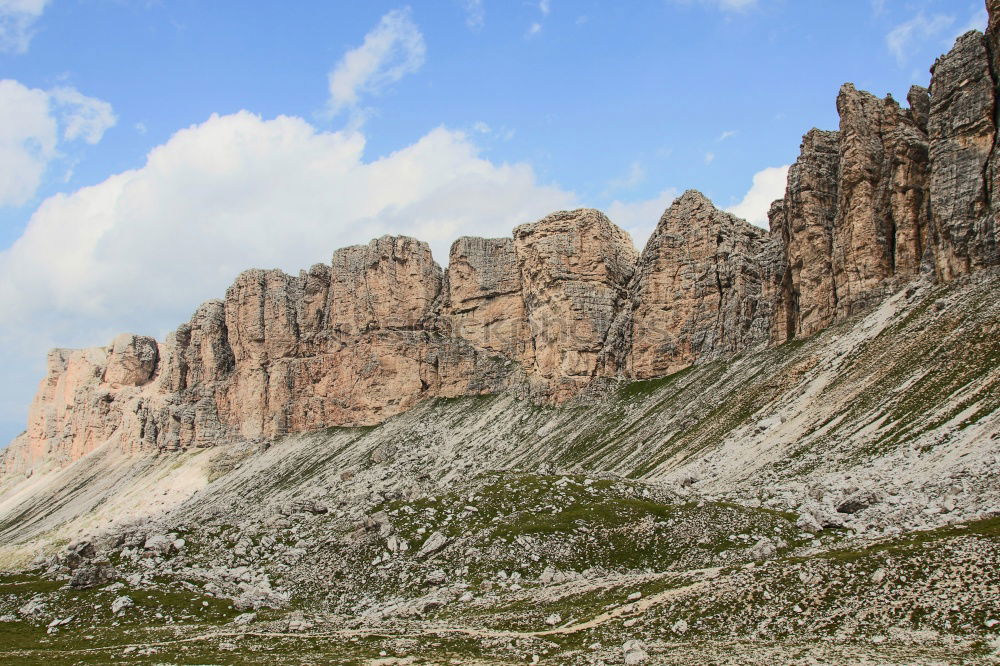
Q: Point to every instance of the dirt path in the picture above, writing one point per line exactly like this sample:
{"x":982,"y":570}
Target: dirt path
{"x":633,"y":609}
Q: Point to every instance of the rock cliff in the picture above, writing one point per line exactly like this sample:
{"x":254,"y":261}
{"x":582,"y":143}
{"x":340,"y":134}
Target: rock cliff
{"x":894,"y":195}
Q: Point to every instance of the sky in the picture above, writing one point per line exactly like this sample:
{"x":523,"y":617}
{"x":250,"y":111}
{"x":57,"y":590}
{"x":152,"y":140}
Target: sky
{"x":151,"y":150}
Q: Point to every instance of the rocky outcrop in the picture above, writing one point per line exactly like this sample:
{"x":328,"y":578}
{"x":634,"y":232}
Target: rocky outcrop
{"x":882,"y":210}
{"x":696,"y":288}
{"x":805,"y":226}
{"x":131,"y":360}
{"x":484,"y":304}
{"x":962,"y":129}
{"x":895,"y":194}
{"x":391,"y":283}
{"x":575,"y":267}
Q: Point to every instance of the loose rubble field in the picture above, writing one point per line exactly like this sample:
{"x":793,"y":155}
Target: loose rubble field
{"x":508,"y":568}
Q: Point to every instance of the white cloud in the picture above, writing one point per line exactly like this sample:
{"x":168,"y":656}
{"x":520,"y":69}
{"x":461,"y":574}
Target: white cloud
{"x":544,"y":7}
{"x":475,"y":14}
{"x":141,"y":128}
{"x":391,"y":50}
{"x":728,"y":134}
{"x":30,"y":123}
{"x":17,"y":18}
{"x":534,"y":29}
{"x":28,"y":138}
{"x":82,"y":117}
{"x":639,"y":218}
{"x":768,"y":185}
{"x":904,"y":37}
{"x":878,"y":7}
{"x":709,"y":157}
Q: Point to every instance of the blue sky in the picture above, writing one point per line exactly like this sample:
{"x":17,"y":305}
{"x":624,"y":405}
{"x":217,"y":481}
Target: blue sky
{"x":151,"y":150}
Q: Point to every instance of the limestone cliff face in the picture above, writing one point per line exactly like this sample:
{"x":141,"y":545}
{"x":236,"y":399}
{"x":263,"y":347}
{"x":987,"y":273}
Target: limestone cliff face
{"x":696,"y":288}
{"x":805,"y":226}
{"x":882,"y":209}
{"x":483,"y":292}
{"x":575,"y":267}
{"x":962,"y":129}
{"x":894,"y":194}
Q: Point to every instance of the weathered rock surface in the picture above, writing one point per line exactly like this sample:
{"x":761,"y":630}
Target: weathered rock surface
{"x":896,"y":194}
{"x":696,"y":288}
{"x":962,"y":129}
{"x":484,"y":302}
{"x":575,"y":267}
{"x":805,"y":224}
{"x":881,"y":224}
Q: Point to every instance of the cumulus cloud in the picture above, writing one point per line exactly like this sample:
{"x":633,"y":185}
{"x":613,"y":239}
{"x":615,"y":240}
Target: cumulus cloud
{"x":902,"y":39}
{"x":30,"y":123}
{"x":768,"y":185}
{"x":17,"y":18}
{"x":391,"y":50}
{"x":639,"y":218}
{"x":28,"y":136}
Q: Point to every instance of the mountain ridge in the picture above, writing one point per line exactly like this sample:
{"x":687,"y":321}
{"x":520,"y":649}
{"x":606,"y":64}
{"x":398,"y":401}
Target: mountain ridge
{"x":565,"y":302}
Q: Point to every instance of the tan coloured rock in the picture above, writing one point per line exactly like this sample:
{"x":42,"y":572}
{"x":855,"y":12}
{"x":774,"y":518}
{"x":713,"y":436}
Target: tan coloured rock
{"x":131,"y":360}
{"x":392,"y":282}
{"x":962,"y":132}
{"x":696,"y":288}
{"x":198,"y":352}
{"x":809,"y":211}
{"x":575,"y":267}
{"x":882,"y":209}
{"x":484,"y":302}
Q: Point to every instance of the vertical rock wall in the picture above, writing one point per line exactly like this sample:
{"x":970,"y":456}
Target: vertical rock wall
{"x":696,"y":290}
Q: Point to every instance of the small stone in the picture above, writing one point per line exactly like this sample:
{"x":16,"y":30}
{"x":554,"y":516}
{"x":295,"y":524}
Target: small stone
{"x":121,"y":603}
{"x":635,"y":653}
